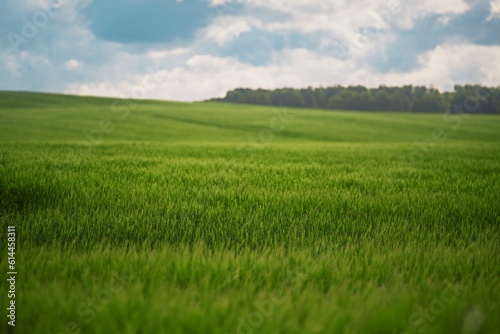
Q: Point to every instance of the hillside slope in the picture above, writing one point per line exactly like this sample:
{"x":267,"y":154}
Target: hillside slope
{"x":61,"y":118}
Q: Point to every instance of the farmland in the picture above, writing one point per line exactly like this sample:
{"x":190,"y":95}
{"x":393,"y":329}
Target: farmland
{"x":165,"y":217}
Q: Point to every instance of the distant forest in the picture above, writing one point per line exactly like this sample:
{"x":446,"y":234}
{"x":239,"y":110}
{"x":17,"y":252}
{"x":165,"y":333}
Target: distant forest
{"x":464,"y":99}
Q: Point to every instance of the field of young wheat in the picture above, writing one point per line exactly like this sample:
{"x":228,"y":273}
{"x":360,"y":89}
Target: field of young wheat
{"x":159,"y":217}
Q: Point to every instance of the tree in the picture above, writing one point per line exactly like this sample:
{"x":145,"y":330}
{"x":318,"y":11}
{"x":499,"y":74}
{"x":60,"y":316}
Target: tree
{"x":430,"y":101}
{"x":287,"y":97}
{"x":468,"y":98}
{"x":474,"y":99}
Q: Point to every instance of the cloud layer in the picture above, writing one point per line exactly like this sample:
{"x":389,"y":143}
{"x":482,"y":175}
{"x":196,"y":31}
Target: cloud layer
{"x":196,"y":49}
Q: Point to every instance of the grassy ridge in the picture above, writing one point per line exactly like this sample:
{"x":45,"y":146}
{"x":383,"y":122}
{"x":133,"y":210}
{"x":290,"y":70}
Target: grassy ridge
{"x":60,"y":118}
{"x":177,"y":222}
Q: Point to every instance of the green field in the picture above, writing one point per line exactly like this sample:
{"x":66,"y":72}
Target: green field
{"x":220,"y":218}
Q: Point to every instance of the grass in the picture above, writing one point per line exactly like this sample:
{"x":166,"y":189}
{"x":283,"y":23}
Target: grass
{"x":210,"y":218}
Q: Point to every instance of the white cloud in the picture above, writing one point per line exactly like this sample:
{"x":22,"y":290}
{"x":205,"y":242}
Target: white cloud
{"x":194,"y":72}
{"x":165,"y":54}
{"x":417,"y":9}
{"x":494,"y":10}
{"x":346,"y":22}
{"x":206,"y":76}
{"x":337,"y":16}
{"x":447,"y":65}
{"x":227,"y":28}
{"x":72,"y":64}
{"x":219,"y":2}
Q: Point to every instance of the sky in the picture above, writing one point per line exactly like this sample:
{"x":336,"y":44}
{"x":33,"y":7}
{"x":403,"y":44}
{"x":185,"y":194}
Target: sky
{"x":190,"y":50}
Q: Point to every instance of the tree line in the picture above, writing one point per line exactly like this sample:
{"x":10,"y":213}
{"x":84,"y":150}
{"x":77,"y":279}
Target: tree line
{"x":467,"y":98}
